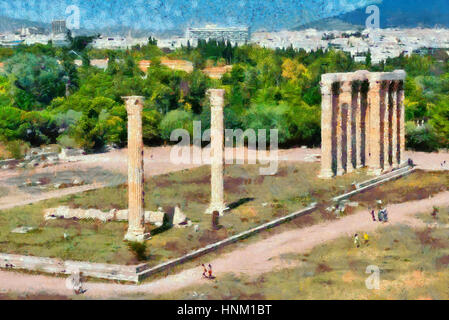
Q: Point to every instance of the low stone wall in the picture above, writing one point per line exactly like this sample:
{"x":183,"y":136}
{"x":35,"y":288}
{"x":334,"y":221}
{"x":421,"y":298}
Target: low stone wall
{"x":375,"y":182}
{"x":146,"y":273}
{"x":57,"y":266}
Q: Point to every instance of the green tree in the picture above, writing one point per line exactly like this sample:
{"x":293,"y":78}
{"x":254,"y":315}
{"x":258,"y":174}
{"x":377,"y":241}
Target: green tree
{"x":40,"y":77}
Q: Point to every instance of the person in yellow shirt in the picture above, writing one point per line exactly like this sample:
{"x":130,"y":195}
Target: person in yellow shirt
{"x":366,"y":238}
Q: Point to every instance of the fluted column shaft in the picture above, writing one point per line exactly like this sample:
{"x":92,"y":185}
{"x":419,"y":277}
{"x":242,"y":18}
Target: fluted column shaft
{"x":326,"y":131}
{"x":401,"y":113}
{"x":217,"y":146}
{"x":375,"y":102}
{"x":385,"y":99}
{"x":338,"y":135}
{"x":346,"y":106}
{"x":357,"y":107}
{"x":136,"y":213}
{"x":394,"y":125}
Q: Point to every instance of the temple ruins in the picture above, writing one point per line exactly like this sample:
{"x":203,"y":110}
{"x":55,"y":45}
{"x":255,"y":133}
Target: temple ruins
{"x":362,"y":122}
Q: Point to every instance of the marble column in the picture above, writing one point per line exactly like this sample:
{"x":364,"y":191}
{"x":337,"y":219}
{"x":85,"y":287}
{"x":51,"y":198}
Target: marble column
{"x":374,"y":135}
{"x":365,"y":122}
{"x":394,"y":125}
{"x":346,"y":99}
{"x":401,"y":115}
{"x":217,"y":146}
{"x":385,"y":99}
{"x":357,"y":108}
{"x":326,"y":131}
{"x":338,"y":110}
{"x":136,"y":213}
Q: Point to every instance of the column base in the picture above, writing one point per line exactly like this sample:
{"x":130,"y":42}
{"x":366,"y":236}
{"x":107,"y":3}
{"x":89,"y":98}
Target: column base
{"x":374,"y":171}
{"x":340,"y":172}
{"x":359,"y":166}
{"x":350,"y":170}
{"x":137,"y":236}
{"x":326,"y":174}
{"x":221,"y":208}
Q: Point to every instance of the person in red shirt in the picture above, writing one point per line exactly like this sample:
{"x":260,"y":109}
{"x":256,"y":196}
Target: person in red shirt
{"x":210,"y":272}
{"x":204,"y":271}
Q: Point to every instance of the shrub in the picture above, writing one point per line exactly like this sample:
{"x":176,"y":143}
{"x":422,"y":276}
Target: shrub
{"x":176,"y":119}
{"x":421,"y":138}
{"x":16,"y":148}
{"x":67,"y":142}
{"x":150,"y":126}
{"x":138,"y":249}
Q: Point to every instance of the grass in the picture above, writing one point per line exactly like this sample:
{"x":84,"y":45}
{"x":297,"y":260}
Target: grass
{"x":258,"y":199}
{"x":413,"y":263}
{"x":417,"y":186}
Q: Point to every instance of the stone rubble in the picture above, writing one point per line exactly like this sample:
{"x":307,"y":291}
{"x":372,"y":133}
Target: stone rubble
{"x":23,"y":230}
{"x":153,"y":217}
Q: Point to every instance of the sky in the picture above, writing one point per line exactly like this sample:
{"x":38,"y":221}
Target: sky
{"x":163,"y":15}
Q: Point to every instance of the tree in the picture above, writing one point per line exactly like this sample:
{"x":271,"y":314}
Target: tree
{"x":40,"y":77}
{"x":176,"y":119}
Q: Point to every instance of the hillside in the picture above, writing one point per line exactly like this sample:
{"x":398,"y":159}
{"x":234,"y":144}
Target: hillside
{"x":393,"y":13}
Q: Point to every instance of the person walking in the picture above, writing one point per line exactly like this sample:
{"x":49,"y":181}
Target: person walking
{"x":373,"y":215}
{"x":356,"y":240}
{"x":435,"y":213}
{"x":204,"y":271}
{"x":385,"y":215}
{"x":210,"y":272}
{"x":366,"y":238}
{"x":380,"y":215}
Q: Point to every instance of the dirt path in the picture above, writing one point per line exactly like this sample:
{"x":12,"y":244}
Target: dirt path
{"x":23,"y":199}
{"x":254,"y":259}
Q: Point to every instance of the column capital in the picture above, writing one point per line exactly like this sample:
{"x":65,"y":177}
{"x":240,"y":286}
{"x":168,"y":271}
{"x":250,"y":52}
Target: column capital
{"x":134,"y":104}
{"x":326,"y":88}
{"x":216,"y":97}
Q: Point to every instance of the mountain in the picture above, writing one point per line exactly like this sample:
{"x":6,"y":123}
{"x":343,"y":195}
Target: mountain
{"x":169,"y":15}
{"x":329,"y":24}
{"x":393,"y":13}
{"x":405,"y":14}
{"x":11,"y":24}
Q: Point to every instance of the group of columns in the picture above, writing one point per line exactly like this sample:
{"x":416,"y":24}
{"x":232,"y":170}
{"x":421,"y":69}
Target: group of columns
{"x":136,"y":212}
{"x":362,"y":122}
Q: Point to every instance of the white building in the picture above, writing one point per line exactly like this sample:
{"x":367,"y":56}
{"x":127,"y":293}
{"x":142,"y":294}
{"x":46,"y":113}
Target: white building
{"x":232,"y":34}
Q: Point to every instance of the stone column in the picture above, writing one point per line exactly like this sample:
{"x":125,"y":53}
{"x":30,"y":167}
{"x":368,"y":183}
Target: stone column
{"x":374,"y":96}
{"x":339,"y":134}
{"x":365,"y":125}
{"x":394,"y":125}
{"x":326,"y":131}
{"x":346,"y":100}
{"x":401,"y":113}
{"x":217,"y":146}
{"x":385,"y":99}
{"x":136,"y":213}
{"x":358,"y":125}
